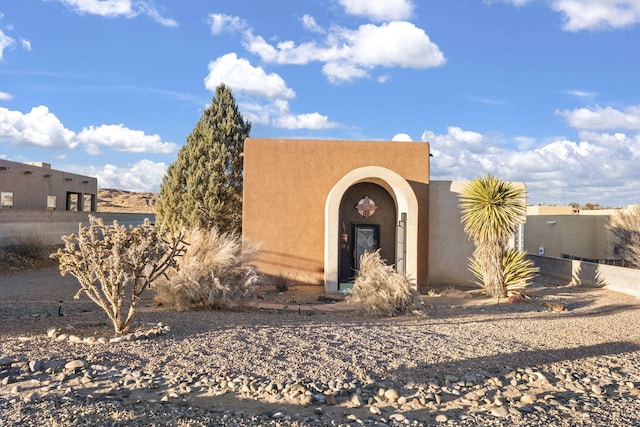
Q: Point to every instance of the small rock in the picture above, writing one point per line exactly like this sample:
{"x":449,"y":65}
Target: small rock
{"x":35,"y":365}
{"x":441,"y":418}
{"x":356,"y":400}
{"x":375,"y":410}
{"x":74,"y":339}
{"x":391,"y":395}
{"x":500,"y":412}
{"x":528,"y":398}
{"x":6,"y":361}
{"x":76,"y":364}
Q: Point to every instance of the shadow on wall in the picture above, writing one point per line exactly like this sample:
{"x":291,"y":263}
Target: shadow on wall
{"x":619,"y":279}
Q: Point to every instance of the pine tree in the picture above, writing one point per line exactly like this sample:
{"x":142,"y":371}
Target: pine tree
{"x":203,"y":187}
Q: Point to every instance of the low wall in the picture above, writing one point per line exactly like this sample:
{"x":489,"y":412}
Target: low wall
{"x":619,"y":279}
{"x":50,"y":226}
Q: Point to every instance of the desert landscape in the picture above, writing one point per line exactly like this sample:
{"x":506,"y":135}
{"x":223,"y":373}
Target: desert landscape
{"x":297,"y":359}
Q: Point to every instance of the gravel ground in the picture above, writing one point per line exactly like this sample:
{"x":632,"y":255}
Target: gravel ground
{"x":468,"y":361}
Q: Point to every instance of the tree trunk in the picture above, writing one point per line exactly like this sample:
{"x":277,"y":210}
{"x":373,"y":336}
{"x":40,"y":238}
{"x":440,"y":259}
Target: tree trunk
{"x":489,"y":255}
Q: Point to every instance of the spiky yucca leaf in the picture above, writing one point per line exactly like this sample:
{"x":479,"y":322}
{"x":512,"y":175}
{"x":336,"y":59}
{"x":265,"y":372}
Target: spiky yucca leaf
{"x":379,"y":290}
{"x":517,"y":270}
{"x":491,"y":212}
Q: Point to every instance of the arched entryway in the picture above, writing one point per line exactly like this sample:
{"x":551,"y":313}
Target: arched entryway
{"x":368,"y":222}
{"x":404,"y":202}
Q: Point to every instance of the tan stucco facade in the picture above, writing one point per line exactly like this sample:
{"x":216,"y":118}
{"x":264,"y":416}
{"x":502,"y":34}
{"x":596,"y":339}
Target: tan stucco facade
{"x":557,"y":232}
{"x":37,"y":186}
{"x":293,"y":191}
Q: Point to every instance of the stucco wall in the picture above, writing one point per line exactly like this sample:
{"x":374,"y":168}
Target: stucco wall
{"x":619,"y":279}
{"x":449,"y":246}
{"x":583,"y":236}
{"x":286,"y":185}
{"x":31,"y":184}
{"x":50,"y":226}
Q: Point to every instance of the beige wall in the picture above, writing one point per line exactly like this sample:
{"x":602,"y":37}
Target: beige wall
{"x":31,"y":184}
{"x":286,"y":186}
{"x":449,"y":246}
{"x":48,"y":227}
{"x":582,"y":236}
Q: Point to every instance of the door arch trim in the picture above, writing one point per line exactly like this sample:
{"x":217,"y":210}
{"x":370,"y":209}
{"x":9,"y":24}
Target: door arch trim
{"x":405,"y":200}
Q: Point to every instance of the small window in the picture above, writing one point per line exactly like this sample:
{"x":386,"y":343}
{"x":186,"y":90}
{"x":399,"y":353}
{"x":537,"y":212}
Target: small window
{"x":6,"y":199}
{"x":52,"y":202}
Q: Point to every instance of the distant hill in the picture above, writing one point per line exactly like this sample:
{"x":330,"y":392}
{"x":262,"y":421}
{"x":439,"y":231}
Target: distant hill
{"x":111,"y":200}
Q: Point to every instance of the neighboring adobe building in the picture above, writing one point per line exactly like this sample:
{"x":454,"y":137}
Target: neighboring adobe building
{"x":38,"y":187}
{"x":315,"y":206}
{"x":566,"y":232}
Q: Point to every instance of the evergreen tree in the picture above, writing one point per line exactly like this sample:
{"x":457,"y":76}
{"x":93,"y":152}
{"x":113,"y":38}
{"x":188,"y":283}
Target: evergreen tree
{"x":203,"y":187}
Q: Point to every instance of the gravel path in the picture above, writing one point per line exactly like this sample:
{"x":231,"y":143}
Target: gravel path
{"x":467,"y":362}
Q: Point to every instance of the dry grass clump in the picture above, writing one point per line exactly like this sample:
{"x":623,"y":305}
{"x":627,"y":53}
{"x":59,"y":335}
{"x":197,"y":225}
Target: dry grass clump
{"x":379,"y":290}
{"x":215,"y":272}
{"x":31,"y":244}
{"x":517,"y":271}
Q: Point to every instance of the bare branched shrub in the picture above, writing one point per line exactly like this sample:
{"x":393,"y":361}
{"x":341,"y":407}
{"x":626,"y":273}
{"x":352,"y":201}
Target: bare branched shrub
{"x":379,"y":290}
{"x":31,"y":243}
{"x":215,"y":272}
{"x":517,"y":271}
{"x":624,"y":229}
{"x":115,"y":264}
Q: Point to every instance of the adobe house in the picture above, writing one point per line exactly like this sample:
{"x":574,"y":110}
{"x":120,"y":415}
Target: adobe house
{"x":314,"y":206}
{"x":37,"y":186}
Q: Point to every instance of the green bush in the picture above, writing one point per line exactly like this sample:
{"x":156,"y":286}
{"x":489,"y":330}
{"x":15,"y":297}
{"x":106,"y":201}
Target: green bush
{"x":379,"y":290}
{"x":215,"y":272}
{"x":517,"y":270}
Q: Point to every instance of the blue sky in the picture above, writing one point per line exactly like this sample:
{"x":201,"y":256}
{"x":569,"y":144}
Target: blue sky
{"x":541,"y":91}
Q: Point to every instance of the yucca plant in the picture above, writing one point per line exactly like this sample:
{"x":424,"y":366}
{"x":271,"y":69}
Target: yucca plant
{"x":379,"y":290}
{"x":517,"y":270}
{"x":215,"y":272}
{"x":491,"y":212}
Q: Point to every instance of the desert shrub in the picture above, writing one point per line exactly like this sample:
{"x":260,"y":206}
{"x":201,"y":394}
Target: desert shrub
{"x":624,"y":232}
{"x":517,"y":271}
{"x":31,"y":244}
{"x":379,"y":290}
{"x":215,"y":272}
{"x":282,"y":282}
{"x":115,"y":264}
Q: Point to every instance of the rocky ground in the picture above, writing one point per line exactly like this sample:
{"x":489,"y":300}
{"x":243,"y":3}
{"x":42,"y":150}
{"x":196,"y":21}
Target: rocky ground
{"x":468,"y":361}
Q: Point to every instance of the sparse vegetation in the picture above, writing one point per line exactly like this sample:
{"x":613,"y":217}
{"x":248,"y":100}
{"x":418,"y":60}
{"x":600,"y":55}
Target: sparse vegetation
{"x":215,"y":272}
{"x":379,"y":290}
{"x":624,"y":229}
{"x":31,"y":244}
{"x":517,"y":270}
{"x":115,"y":264}
{"x":491,"y":211}
{"x":282,"y":282}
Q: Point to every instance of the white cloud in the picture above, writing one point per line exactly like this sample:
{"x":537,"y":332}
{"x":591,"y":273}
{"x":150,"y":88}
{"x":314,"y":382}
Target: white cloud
{"x":310,"y":24}
{"x":597,"y":14}
{"x":600,"y":118}
{"x":41,"y":128}
{"x":580,"y":93}
{"x":402,"y":137}
{"x":120,"y":138}
{"x":5,"y":43}
{"x":38,"y":128}
{"x":144,"y":176}
{"x":314,"y":121}
{"x":26,"y":44}
{"x":241,"y":76}
{"x":263,"y":97}
{"x":351,"y":54}
{"x":379,"y":10}
{"x":117,"y":8}
{"x":221,"y":23}
{"x":600,"y":168}
{"x":4,"y":96}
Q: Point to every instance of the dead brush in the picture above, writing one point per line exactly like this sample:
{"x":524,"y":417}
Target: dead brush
{"x":215,"y":272}
{"x":379,"y":290}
